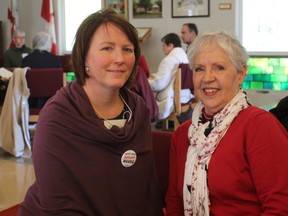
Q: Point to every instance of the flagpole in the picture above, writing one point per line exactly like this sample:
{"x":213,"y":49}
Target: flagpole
{"x":47,"y":13}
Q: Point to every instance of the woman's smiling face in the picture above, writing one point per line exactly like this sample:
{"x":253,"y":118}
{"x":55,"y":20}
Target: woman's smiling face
{"x":110,"y":57}
{"x":215,"y":77}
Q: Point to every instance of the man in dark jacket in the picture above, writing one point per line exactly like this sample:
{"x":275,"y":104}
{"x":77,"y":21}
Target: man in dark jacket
{"x":14,"y":55}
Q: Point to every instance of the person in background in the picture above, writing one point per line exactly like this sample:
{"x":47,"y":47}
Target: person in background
{"x":89,"y":157}
{"x":144,"y":66}
{"x":41,"y":57}
{"x":231,"y":158}
{"x":140,"y":86}
{"x":189,"y":32}
{"x":162,"y":81}
{"x":281,"y":112}
{"x":13,"y":56}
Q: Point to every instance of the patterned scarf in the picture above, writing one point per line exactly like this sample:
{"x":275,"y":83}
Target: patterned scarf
{"x":201,"y":148}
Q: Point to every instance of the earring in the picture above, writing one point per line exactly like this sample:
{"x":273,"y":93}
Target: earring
{"x":87,"y":68}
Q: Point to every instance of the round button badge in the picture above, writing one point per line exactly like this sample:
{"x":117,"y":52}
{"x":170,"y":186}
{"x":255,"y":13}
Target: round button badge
{"x":128,"y":158}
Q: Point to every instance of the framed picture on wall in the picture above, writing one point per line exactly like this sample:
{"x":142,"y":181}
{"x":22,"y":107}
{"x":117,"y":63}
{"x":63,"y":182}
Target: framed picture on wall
{"x":120,"y":6}
{"x":147,"y":9}
{"x":190,"y":8}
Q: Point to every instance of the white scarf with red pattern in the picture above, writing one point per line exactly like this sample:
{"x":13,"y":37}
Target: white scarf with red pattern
{"x":201,"y":148}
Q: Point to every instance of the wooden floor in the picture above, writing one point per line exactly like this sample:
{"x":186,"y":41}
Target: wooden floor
{"x":16,"y":175}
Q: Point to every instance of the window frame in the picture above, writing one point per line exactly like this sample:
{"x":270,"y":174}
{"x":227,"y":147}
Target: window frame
{"x":61,"y":23}
{"x":240,"y":22}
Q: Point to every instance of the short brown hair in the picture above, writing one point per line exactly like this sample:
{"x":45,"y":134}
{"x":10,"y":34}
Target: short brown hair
{"x":84,"y":36}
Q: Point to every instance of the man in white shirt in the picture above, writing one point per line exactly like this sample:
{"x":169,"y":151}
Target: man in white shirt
{"x":162,"y":81}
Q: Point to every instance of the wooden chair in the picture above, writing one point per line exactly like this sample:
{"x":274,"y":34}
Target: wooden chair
{"x":183,"y":80}
{"x":43,"y":83}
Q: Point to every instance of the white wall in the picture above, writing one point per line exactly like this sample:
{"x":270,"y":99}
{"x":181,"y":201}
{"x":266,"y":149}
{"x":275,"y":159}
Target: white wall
{"x":30,"y":19}
{"x":265,"y":99}
{"x":31,"y":22}
{"x":219,"y":19}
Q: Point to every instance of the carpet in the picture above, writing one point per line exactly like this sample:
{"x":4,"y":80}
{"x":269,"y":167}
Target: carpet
{"x":12,"y":211}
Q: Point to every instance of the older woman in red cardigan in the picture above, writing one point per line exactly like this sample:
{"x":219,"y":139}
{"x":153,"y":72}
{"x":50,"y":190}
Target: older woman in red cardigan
{"x":231,"y":158}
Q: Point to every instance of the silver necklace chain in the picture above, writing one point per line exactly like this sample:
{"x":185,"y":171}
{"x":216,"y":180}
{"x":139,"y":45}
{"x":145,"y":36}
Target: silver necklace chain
{"x":129,"y":112}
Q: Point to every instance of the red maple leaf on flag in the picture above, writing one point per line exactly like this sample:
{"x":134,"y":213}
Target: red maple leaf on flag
{"x":12,"y":21}
{"x":45,"y":12}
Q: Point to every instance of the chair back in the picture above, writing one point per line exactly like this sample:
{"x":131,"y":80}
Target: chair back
{"x":161,"y":148}
{"x":183,"y":80}
{"x":186,"y":77}
{"x":44,"y":82}
{"x":66,"y":62}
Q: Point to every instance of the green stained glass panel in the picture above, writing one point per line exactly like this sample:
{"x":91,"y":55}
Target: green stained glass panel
{"x":285,"y":70}
{"x":278,"y":78}
{"x":261,"y":62}
{"x":268,"y":85}
{"x":276,"y":86}
{"x":268,"y":70}
{"x":279,"y":70}
{"x":249,"y":77}
{"x":274,"y":61}
{"x":284,"y":86}
{"x":256,"y":85}
{"x":255,"y":70}
{"x":283,"y":61}
{"x":70,"y":76}
{"x":262,"y":77}
{"x":246,"y":85}
{"x":267,"y":73}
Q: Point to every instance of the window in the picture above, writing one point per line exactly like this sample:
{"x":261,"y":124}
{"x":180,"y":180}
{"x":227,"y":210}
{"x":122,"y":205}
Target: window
{"x":264,"y":35}
{"x":264,"y":27}
{"x":267,"y":73}
{"x":75,"y":12}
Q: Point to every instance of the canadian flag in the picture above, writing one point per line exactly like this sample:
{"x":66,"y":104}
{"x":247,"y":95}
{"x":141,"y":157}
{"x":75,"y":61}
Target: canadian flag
{"x":48,"y":15}
{"x":13,"y":17}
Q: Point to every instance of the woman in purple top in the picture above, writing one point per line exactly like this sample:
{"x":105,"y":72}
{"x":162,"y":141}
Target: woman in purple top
{"x":92,"y":150}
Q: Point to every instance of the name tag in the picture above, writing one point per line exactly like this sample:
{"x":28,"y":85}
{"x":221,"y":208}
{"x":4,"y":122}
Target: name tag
{"x":118,"y":122}
{"x":24,"y":54}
